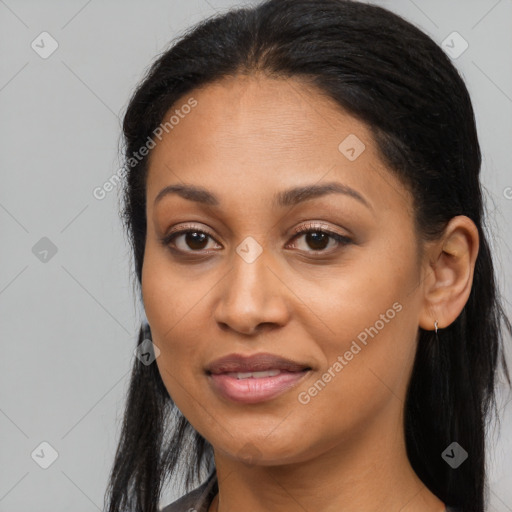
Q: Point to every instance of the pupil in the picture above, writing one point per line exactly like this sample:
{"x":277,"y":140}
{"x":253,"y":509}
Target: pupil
{"x":314,"y":237}
{"x":192,"y":240}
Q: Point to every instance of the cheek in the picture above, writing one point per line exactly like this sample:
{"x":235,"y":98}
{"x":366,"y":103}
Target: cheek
{"x":174,"y":306}
{"x":166,"y":303}
{"x":168,"y":293}
{"x":369,"y":346}
{"x":366,"y":370}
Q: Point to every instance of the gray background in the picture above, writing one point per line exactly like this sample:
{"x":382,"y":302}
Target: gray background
{"x":69,"y":323}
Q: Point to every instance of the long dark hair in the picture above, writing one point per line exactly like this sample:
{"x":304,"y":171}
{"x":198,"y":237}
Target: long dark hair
{"x":390,"y":75}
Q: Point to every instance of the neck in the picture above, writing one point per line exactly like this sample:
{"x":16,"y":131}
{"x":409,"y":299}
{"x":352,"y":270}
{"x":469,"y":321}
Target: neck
{"x":368,"y":471}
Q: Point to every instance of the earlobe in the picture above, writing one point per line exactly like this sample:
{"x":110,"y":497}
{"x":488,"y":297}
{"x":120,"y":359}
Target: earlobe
{"x":451,"y":267}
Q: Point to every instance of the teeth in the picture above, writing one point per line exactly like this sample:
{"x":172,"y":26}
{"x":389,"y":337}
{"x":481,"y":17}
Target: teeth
{"x":255,"y":375}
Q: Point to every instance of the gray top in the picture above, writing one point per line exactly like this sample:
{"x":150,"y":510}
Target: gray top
{"x":201,"y":498}
{"x":197,"y":500}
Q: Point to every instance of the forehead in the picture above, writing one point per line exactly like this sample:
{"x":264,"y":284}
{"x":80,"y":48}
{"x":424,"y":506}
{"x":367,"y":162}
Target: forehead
{"x":285,"y":117}
{"x":255,"y":133}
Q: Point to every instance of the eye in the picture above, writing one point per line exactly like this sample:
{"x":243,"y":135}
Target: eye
{"x":187,"y":238}
{"x":193,"y":240}
{"x":318,"y":238}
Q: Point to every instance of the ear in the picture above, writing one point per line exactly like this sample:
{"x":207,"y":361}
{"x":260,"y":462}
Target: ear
{"x":448,"y":276}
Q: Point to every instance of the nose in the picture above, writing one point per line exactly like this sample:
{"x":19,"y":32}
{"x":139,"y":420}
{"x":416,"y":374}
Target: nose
{"x":252,"y":297}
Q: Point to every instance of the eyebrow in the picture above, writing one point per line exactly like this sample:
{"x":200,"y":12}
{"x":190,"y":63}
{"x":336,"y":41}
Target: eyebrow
{"x":283,"y":198}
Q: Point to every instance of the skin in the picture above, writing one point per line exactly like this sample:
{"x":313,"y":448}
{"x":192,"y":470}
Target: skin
{"x":247,"y":138}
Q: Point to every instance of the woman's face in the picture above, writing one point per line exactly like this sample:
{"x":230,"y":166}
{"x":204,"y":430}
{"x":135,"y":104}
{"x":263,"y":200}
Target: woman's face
{"x":245,"y":281}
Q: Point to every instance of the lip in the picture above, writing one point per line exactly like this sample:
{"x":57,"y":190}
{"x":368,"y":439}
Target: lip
{"x":254,"y":363}
{"x":253,"y":390}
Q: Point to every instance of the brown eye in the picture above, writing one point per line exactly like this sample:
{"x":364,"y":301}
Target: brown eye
{"x":187,"y":240}
{"x":195,"y":240}
{"x":316,"y":240}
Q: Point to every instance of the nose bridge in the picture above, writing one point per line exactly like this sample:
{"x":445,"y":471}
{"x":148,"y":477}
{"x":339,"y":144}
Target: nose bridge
{"x":251,"y":294}
{"x":249,"y":277}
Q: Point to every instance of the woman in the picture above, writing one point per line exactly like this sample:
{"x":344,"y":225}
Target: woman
{"x":303,"y":201}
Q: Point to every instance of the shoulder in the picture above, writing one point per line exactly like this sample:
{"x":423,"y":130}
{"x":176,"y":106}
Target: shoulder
{"x":197,"y":500}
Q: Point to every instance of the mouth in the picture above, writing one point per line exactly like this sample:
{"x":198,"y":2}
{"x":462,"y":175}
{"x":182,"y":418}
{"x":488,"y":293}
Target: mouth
{"x":256,"y":363}
{"x":253,"y":379}
{"x":254,"y":375}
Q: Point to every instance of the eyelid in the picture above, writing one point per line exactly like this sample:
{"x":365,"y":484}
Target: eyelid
{"x":320,"y":225}
{"x":297,"y":230}
{"x":183,"y":229}
{"x":301,"y":229}
{"x":186,"y":227}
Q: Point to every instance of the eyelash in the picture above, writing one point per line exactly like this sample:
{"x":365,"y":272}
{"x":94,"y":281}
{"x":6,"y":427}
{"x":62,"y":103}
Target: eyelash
{"x":309,"y":228}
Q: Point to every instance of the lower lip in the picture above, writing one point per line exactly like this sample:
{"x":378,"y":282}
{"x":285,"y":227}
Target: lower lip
{"x":251,"y":390}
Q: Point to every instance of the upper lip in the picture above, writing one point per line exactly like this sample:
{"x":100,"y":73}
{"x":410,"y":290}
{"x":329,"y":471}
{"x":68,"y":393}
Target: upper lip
{"x":254,"y":363}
